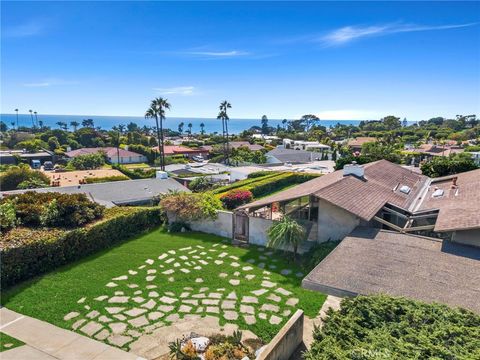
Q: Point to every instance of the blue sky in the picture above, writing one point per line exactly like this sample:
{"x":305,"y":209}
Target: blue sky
{"x":343,"y":60}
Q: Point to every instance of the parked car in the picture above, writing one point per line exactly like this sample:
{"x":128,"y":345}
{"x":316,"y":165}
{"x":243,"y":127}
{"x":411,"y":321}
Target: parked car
{"x":36,"y":164}
{"x":198,"y":158}
{"x":47,"y":165}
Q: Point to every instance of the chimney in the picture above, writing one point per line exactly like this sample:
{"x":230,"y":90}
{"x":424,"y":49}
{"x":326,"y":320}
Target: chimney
{"x":353,"y":169}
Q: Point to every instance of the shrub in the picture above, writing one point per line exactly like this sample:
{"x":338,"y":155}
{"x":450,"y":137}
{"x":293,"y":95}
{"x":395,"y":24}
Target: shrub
{"x":54,"y":209}
{"x":443,"y":166}
{"x":384,"y":327}
{"x":22,"y":174}
{"x":201,"y":183}
{"x":27,"y":252}
{"x":190,"y":206}
{"x":88,"y":161}
{"x":235,"y":198}
{"x":316,"y":254}
{"x":258,"y":174}
{"x":178,"y":226}
{"x":94,"y":180}
{"x":8,"y":215}
{"x":243,"y":183}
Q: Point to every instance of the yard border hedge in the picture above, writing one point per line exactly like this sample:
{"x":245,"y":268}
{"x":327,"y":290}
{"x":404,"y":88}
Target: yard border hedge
{"x":244,"y":183}
{"x":56,"y":248}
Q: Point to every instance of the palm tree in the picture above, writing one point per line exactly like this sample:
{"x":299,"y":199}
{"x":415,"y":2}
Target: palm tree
{"x":36,"y":118}
{"x":31,"y":115}
{"x":157,"y":111}
{"x":62,"y":125}
{"x":13,"y":125}
{"x":87,"y":123}
{"x":121,"y":128}
{"x":286,"y":232}
{"x":180,"y":127}
{"x":189,"y":129}
{"x":40,"y":124}
{"x":223,"y":115}
{"x":284,"y":122}
{"x":202,"y":128}
{"x":16,"y":110}
{"x":75,"y":125}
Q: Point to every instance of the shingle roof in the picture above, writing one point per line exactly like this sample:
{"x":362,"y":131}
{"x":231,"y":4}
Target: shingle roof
{"x":377,"y":261}
{"x":359,"y":141}
{"x":178,"y":149}
{"x":110,"y":151}
{"x":294,"y":156}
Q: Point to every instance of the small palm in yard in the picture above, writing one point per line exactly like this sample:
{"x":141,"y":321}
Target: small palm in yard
{"x":286,"y":232}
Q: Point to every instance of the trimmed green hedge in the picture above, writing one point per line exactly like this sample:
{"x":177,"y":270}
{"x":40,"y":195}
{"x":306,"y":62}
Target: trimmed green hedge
{"x":267,"y":186}
{"x":243,"y":183}
{"x":95,"y":180}
{"x":26,"y":253}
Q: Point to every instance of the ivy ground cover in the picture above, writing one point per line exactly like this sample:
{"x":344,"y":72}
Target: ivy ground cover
{"x":154,"y":280}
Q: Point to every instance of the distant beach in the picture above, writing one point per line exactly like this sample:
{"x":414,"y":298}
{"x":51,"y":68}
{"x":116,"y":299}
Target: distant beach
{"x":235,"y":126}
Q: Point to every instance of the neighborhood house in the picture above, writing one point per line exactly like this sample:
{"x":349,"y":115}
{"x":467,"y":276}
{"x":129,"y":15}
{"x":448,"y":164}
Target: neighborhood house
{"x":114,"y":155}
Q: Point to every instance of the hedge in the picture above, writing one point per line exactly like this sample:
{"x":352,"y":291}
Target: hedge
{"x":243,"y":183}
{"x":138,"y":173}
{"x":94,"y":180}
{"x":26,"y":253}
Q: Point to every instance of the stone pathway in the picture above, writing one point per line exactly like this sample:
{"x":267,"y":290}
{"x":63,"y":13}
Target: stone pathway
{"x":44,"y":341}
{"x":139,"y":303}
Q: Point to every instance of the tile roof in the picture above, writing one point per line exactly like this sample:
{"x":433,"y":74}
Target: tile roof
{"x":372,"y":261}
{"x":179,"y":150}
{"x":110,"y":151}
{"x":359,"y":141}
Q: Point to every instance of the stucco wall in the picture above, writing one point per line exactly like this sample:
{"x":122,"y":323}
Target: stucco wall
{"x":222,"y":226}
{"x":334,"y":223}
{"x":286,"y":341}
{"x":257,"y":230}
{"x":467,"y":237}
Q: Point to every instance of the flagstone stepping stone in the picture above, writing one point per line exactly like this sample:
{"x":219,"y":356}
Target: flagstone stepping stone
{"x":123,"y":277}
{"x":171,"y":279}
{"x":134,"y":333}
{"x":169,"y":293}
{"x":169,"y":261}
{"x":132,"y":286}
{"x":274,"y":297}
{"x":221,"y":289}
{"x":266,"y":278}
{"x":78,"y":323}
{"x":199,"y":280}
{"x":218,"y":262}
{"x":259,"y":292}
{"x":203,"y":262}
{"x":135,"y":312}
{"x":118,"y":327}
{"x":292,"y":301}
{"x":184,"y":294}
{"x":223,"y":254}
{"x":261,"y":265}
{"x":102,"y":335}
{"x":167,"y":300}
{"x":215,"y":295}
{"x":224,"y":246}
{"x":155,"y":315}
{"x":275,"y":320}
{"x":114,"y":310}
{"x":150,"y":328}
{"x":223,"y":275}
{"x":71,"y":315}
{"x":184,"y":309}
{"x":249,"y":319}
{"x":151,"y":287}
{"x":142,"y":267}
{"x":163,"y":256}
{"x":188,"y":263}
{"x":203,"y":289}
{"x":271,"y":266}
{"x":183,"y":257}
{"x":197,"y":268}
{"x":118,"y":299}
{"x":91,"y":328}
{"x":247,"y":309}
{"x":262,"y":316}
{"x":188,"y":288}
{"x":153,"y":294}
{"x":101,"y":298}
{"x":92,"y":314}
{"x":286,"y":272}
{"x":172,"y":252}
{"x":299,"y":274}
{"x":235,"y":264}
{"x":138,"y":299}
{"x":172,"y":317}
{"x":210,"y":302}
{"x":118,"y":293}
{"x":228,"y":304}
{"x":247,"y":268}
{"x":104,"y":319}
{"x":150,"y":278}
{"x":262,"y":257}
{"x":236,"y":273}
{"x":283,"y":291}
{"x":212,"y":309}
{"x":251,"y":261}
{"x":87,"y":307}
{"x":268,"y":284}
{"x":250,"y":300}
{"x":234,"y":282}
{"x":151,"y":271}
{"x":200,"y":309}
{"x":138,"y":292}
{"x":270,"y":307}
{"x":150,"y":304}
{"x":185,"y":271}
{"x":232,"y":296}
{"x":191,"y":302}
{"x":139,"y":321}
{"x":82,"y":300}
{"x":119,"y":340}
{"x":265,"y":272}
{"x":177,"y":264}
{"x":149,"y":261}
{"x":165,"y":308}
{"x":286,"y":313}
{"x":249,"y":276}
{"x":111,"y":284}
{"x":230,"y":315}
{"x":120,"y":317}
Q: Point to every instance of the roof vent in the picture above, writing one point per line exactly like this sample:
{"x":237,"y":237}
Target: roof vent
{"x":353,"y":169}
{"x":437,"y":193}
{"x":161,"y":175}
{"x":405,"y":189}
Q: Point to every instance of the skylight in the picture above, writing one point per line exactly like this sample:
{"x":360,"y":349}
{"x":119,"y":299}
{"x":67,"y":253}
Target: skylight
{"x":438,"y":193}
{"x":405,"y":189}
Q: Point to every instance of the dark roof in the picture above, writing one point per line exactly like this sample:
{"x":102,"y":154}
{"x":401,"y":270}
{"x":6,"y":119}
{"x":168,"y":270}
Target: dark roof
{"x":294,"y":156}
{"x":372,"y":261}
{"x":117,"y":192}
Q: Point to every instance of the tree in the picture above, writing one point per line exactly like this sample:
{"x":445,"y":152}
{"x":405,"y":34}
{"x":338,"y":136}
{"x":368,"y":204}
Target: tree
{"x":31,"y":116}
{"x":284,"y":123}
{"x":285,"y":233}
{"x":223,"y":115}
{"x":53,"y":143}
{"x":3,"y":126}
{"x":16,"y":110}
{"x":88,"y":161}
{"x":264,"y":122}
{"x":36,"y":118}
{"x":88,"y":123}
{"x":121,"y":128}
{"x":202,"y":128}
{"x":62,"y":125}
{"x":75,"y":125}
{"x":309,"y":121}
{"x":189,"y":128}
{"x":157,"y":112}
{"x":391,"y":122}
{"x":180,"y":128}
{"x":443,"y":166}
{"x":16,"y":175}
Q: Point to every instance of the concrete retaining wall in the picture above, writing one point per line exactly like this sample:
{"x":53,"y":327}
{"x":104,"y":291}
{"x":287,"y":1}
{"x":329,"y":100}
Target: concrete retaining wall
{"x":257,"y":230}
{"x":286,"y":341}
{"x":222,"y":226}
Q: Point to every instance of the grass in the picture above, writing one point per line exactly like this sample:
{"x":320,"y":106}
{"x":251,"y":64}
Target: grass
{"x":137,"y":166}
{"x":7,"y":342}
{"x":52,"y":296}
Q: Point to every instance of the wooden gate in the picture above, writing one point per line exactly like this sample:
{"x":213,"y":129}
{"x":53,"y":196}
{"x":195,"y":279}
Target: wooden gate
{"x":240,"y":227}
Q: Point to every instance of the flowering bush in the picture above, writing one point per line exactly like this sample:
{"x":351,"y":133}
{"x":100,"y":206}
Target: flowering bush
{"x":235,"y":198}
{"x":186,"y":207}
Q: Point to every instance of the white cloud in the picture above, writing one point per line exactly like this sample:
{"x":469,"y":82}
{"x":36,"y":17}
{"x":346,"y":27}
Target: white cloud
{"x":50,"y":82}
{"x":348,"y":114}
{"x":218,"y":54}
{"x":31,"y":28}
{"x":40,"y":84}
{"x":179,"y":90}
{"x":351,"y":33}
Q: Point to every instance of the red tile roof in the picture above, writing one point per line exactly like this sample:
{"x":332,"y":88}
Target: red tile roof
{"x":110,"y":151}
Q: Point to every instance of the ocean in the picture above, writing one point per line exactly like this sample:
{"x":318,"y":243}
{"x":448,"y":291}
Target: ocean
{"x":235,"y":126}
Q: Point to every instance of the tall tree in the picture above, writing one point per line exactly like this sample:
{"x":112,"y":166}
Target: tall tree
{"x":180,"y":127}
{"x":189,"y":128}
{"x":31,"y":115}
{"x":74,"y":124}
{"x":286,"y":232}
{"x":202,"y":128}
{"x":264,"y":125}
{"x":121,"y":128}
{"x":157,"y":111}
{"x":284,"y":123}
{"x":62,"y":125}
{"x":36,"y":118}
{"x":16,"y":110}
{"x":88,"y":123}
{"x":223,"y":115}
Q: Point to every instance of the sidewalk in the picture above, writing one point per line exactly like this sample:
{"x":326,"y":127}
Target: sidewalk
{"x":44,"y":341}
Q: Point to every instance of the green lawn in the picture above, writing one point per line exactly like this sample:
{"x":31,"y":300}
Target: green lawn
{"x":159,"y":275}
{"x":7,"y":342}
